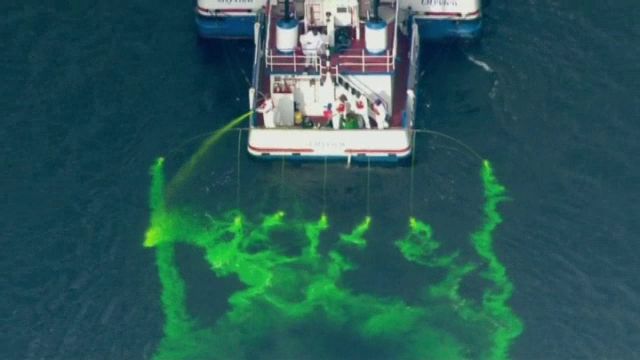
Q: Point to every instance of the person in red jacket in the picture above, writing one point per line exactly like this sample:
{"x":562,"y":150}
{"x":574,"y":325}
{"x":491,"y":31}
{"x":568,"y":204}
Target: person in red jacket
{"x":327,"y":114}
{"x":342,"y":106}
{"x":340,"y":113}
{"x":362,"y":108}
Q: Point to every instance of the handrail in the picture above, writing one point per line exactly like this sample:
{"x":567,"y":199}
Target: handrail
{"x":410,"y":106}
{"x":413,"y":56}
{"x":395,"y":33}
{"x":358,"y":84}
{"x":295,"y":60}
{"x":268,"y":39}
{"x":361,"y":60}
{"x":255,"y":81}
{"x":360,"y":87}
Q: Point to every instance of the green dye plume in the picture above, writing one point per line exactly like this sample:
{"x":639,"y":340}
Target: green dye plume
{"x":286,"y":291}
{"x":494,"y":301}
{"x":503,"y":326}
{"x":356,"y":238}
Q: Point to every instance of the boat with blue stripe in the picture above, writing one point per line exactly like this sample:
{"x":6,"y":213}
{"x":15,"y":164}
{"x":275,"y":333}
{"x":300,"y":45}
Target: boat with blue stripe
{"x":436,"y":19}
{"x":446,"y":19}
{"x":228,"y":19}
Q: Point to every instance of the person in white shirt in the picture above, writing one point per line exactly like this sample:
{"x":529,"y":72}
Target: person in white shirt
{"x":323,"y":42}
{"x":380,"y":114}
{"x":336,"y":117}
{"x":266,"y":109}
{"x":310,"y":43}
{"x":362,"y":109}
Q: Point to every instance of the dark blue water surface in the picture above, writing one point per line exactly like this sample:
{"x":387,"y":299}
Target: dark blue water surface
{"x":92,"y":92}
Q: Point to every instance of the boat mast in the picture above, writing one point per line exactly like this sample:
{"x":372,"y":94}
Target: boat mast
{"x":374,"y":10}
{"x":287,"y":14}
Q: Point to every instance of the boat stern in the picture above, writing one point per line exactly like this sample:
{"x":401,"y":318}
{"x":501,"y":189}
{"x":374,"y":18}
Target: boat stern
{"x":388,"y":145}
{"x":227,"y":19}
{"x":446,"y":19}
{"x":443,"y":29}
{"x":225,"y":27}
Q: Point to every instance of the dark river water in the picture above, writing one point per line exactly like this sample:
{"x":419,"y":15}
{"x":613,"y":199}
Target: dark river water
{"x":93,"y":92}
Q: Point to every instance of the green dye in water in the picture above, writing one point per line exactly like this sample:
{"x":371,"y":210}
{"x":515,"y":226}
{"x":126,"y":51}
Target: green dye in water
{"x":187,"y":169}
{"x":284,"y":292}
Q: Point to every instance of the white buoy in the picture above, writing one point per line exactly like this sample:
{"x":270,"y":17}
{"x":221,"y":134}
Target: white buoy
{"x":286,"y":35}
{"x":375,"y":36}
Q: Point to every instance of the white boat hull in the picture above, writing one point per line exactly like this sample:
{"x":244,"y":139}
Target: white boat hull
{"x":357,"y":145}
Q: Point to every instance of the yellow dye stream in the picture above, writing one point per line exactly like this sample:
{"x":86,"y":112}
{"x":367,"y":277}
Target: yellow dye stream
{"x":187,"y":169}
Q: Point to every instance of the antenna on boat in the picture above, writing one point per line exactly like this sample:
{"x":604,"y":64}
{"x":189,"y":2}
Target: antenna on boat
{"x":287,"y":14}
{"x":375,"y":4}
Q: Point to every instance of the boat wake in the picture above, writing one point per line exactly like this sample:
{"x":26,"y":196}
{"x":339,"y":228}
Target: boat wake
{"x":480,"y":63}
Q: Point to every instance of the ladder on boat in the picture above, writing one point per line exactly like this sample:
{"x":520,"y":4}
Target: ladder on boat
{"x":365,"y":5}
{"x":313,"y":14}
{"x":353,"y":84}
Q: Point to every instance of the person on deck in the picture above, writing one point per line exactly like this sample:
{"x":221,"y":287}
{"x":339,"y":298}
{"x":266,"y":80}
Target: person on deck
{"x":362,"y":109}
{"x":380,"y":114}
{"x":328,"y":115}
{"x":341,"y":106}
{"x":323,"y":43}
{"x":310,"y":42}
{"x":266,"y":109}
{"x":335,"y":116}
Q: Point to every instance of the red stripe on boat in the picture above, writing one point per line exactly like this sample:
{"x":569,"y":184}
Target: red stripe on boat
{"x":270,"y":150}
{"x":377,"y":150}
{"x":211,"y":11}
{"x":456,"y":14}
{"x":439,"y":13}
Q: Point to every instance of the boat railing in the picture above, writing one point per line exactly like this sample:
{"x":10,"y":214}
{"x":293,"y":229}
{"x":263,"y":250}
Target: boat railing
{"x":410,"y":108}
{"x":257,"y":58}
{"x":395,"y":31}
{"x":357,"y":85}
{"x":268,"y":10}
{"x":355,"y":61}
{"x":413,"y":56}
{"x":294,"y":61}
{"x":367,"y":62}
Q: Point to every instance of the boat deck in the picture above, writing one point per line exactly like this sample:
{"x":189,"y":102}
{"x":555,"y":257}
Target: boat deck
{"x":378,"y":145}
{"x":401,"y":73}
{"x":354,"y":59}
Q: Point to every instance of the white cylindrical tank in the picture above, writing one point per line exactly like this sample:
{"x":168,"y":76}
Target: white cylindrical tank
{"x":286,"y":35}
{"x":375,"y":36}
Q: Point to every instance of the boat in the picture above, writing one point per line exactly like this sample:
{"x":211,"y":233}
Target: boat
{"x":228,"y":19}
{"x":335,"y":79}
{"x":446,"y":19}
{"x":436,"y":19}
{"x":307,"y":103}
